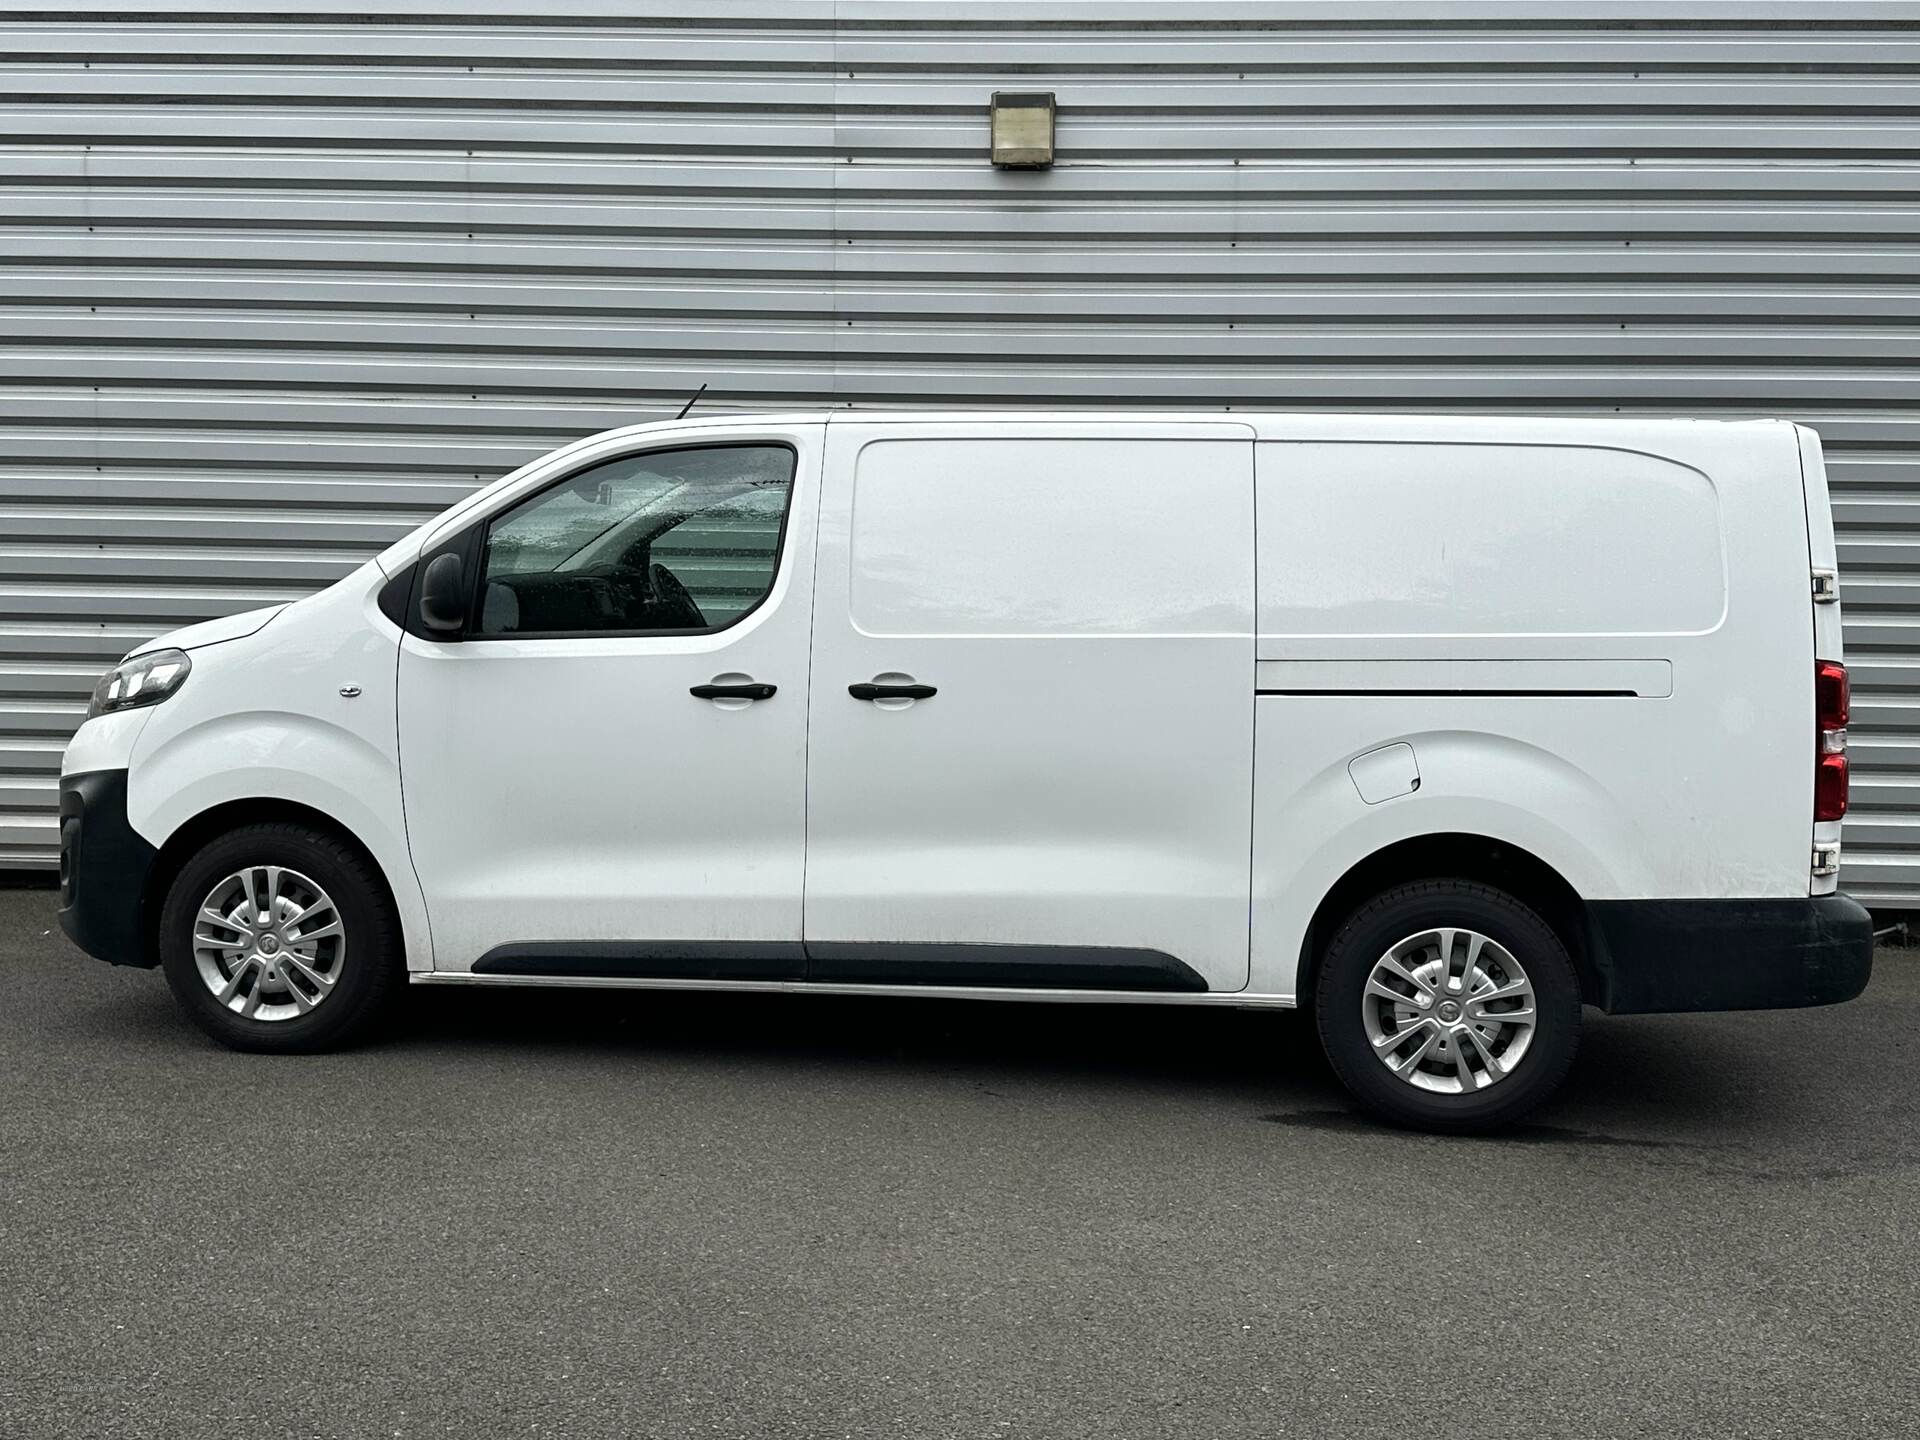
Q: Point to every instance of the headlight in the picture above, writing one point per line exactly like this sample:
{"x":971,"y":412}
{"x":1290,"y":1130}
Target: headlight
{"x":144,"y":680}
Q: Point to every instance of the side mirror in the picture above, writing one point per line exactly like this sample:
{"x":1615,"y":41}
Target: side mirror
{"x":443,"y":595}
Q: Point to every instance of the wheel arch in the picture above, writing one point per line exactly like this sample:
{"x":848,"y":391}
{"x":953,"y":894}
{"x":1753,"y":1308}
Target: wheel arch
{"x":1456,"y":856}
{"x":217,"y":820}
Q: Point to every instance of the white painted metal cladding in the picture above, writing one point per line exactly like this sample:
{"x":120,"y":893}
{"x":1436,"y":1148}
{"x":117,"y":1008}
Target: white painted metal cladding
{"x":280,"y":281}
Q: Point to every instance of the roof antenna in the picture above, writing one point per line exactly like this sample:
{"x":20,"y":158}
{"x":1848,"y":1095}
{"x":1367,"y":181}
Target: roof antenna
{"x":690,"y":404}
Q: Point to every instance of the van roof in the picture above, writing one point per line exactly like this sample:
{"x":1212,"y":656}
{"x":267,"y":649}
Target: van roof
{"x":1265,"y":424}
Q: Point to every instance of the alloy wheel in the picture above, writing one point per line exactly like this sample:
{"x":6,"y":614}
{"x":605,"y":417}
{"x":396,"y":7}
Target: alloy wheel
{"x":1449,"y":1011}
{"x":268,"y":943}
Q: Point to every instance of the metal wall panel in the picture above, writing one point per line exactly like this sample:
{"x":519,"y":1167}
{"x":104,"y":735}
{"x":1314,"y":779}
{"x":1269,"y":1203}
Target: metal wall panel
{"x":282,"y":280}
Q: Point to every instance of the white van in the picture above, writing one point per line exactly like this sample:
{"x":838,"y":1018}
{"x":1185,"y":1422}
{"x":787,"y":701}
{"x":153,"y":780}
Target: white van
{"x":1442,"y":727}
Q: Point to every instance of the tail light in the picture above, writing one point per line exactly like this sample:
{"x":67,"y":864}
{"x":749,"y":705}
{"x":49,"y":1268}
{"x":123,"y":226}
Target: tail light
{"x":1831,"y":702}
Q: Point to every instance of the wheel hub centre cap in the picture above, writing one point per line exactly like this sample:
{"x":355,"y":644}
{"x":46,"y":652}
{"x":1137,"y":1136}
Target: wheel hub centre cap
{"x":1449,"y":1010}
{"x":269,"y":944}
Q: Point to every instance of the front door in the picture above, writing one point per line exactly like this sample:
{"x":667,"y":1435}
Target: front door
{"x":590,"y":780}
{"x":1031,"y":735}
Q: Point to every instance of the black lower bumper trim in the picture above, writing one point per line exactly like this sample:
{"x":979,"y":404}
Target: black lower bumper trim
{"x":104,"y":865}
{"x":1663,"y":956}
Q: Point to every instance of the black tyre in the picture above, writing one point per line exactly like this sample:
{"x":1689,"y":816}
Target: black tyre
{"x":1448,"y":1005}
{"x":279,"y":938}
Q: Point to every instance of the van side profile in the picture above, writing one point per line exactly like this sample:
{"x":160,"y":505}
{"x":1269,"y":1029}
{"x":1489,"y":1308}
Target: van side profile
{"x":1443,"y":728}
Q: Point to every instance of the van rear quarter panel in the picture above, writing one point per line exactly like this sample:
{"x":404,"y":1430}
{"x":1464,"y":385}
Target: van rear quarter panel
{"x":1596,"y":636}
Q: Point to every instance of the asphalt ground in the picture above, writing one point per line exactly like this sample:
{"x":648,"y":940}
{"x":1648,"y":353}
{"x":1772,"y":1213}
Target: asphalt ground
{"x":583,"y":1214}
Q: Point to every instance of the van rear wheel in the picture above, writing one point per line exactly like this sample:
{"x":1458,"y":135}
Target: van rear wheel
{"x":279,"y":938}
{"x":1448,"y":1005}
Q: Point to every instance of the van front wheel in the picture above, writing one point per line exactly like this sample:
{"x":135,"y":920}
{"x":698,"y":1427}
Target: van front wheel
{"x":1448,"y":1005}
{"x":279,"y":938}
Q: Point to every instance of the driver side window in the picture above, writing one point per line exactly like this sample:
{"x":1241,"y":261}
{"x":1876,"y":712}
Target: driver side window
{"x":664,"y":542}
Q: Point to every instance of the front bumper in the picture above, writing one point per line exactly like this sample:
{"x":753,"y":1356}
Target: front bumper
{"x":104,"y":867}
{"x":1659,"y":956}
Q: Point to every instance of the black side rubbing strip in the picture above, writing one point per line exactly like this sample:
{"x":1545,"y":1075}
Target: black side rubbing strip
{"x":1038,"y":967}
{"x":1035,"y":967}
{"x":650,"y":959}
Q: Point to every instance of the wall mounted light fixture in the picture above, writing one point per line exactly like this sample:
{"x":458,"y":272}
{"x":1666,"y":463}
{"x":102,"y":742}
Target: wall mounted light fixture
{"x":1022,"y":129}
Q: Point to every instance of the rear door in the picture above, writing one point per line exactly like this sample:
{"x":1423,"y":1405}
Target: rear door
{"x":1031,"y":717}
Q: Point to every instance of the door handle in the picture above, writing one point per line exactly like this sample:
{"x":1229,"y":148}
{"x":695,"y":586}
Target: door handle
{"x":749,"y":690}
{"x":870,"y":690}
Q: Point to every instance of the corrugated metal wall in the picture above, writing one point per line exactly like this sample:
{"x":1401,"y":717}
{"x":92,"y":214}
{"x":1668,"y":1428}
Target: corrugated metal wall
{"x":281,"y":280}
